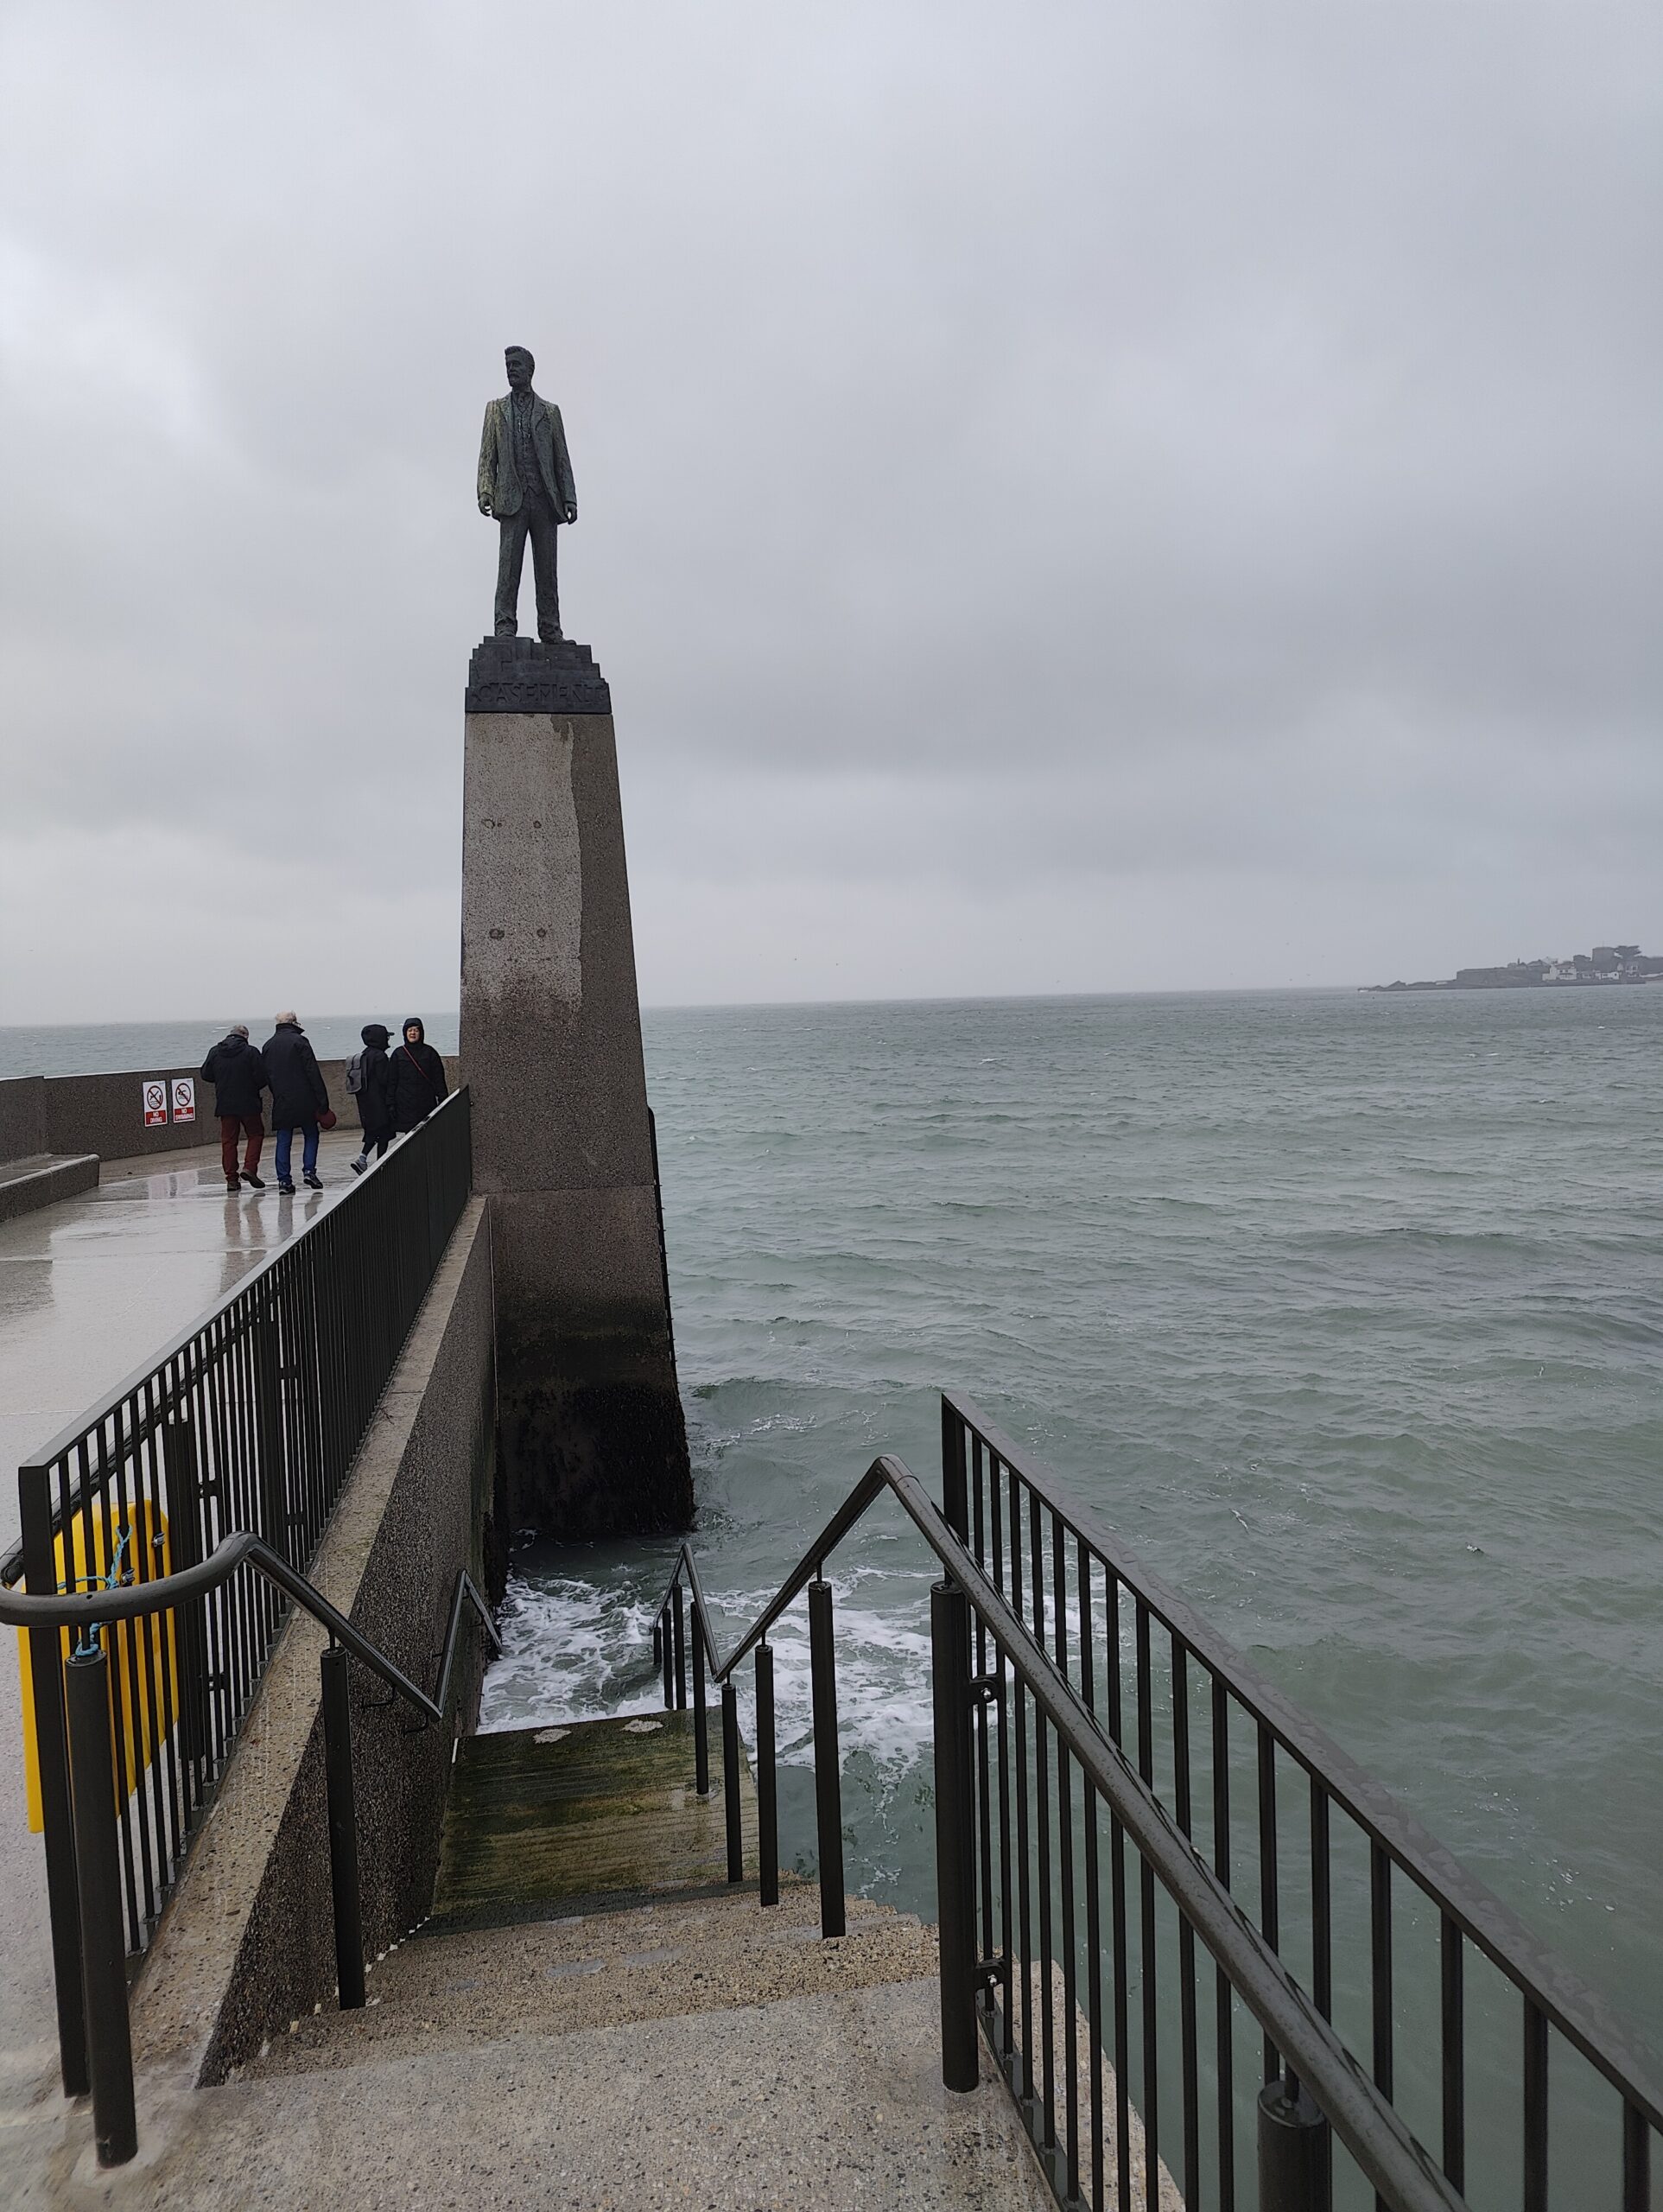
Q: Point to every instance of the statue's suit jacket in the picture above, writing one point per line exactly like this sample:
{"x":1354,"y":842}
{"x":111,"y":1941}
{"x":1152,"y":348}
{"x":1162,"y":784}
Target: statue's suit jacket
{"x":499,"y":481}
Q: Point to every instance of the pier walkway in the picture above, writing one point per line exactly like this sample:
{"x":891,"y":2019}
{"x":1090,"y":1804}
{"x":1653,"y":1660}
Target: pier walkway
{"x":89,"y":1289}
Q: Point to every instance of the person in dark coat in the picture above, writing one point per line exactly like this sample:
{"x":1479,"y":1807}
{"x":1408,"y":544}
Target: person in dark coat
{"x":298,"y":1097}
{"x":238,"y":1074}
{"x":373,"y":1091}
{"x":417,"y":1080}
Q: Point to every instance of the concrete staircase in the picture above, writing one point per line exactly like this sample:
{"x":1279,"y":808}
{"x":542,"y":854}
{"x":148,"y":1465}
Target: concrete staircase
{"x":593,"y":2018}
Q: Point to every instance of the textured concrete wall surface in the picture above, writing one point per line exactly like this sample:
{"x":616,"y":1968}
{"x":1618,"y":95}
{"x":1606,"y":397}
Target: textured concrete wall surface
{"x":593,"y":1436}
{"x":22,"y":1116}
{"x":247,"y":1944}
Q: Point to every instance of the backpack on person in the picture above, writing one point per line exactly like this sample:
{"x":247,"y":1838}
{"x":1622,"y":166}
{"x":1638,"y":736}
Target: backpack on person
{"x":355,"y":1072}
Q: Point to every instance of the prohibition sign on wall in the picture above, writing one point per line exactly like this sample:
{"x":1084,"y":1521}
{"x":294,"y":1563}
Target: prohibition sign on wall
{"x":155,"y":1101}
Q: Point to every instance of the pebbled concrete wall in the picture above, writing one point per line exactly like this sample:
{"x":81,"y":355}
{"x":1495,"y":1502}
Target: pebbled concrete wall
{"x":247,"y":1944}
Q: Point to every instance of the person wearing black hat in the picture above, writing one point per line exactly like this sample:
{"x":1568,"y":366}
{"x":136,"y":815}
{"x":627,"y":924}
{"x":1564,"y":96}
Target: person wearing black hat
{"x":417,"y":1078}
{"x":368,"y":1079}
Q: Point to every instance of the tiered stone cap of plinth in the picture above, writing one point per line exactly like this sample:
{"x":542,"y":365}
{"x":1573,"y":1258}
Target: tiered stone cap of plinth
{"x":521,"y":676}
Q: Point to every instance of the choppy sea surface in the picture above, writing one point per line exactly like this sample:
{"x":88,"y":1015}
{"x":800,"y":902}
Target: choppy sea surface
{"x":1346,"y":1311}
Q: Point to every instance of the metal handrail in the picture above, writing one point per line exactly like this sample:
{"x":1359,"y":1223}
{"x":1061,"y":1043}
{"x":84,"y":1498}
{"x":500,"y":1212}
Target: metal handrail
{"x":91,"y":1754}
{"x":1388,"y":2155}
{"x":89,"y":1610}
{"x":1579,"y":2013}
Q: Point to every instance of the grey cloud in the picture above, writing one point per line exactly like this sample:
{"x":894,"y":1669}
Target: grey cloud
{"x":1200,"y":447}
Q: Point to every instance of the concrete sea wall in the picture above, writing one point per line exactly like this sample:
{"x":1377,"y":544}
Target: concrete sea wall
{"x":247,"y":1944}
{"x":104,"y":1114}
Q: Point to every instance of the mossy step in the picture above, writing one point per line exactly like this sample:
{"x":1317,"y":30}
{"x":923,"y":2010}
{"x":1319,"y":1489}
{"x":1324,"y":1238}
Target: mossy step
{"x":539,"y":1819}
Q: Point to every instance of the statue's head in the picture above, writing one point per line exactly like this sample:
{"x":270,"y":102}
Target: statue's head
{"x":521,"y":367}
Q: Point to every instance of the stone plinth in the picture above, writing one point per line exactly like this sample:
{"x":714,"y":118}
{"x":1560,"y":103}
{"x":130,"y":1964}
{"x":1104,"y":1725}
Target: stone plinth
{"x":593,"y":1438}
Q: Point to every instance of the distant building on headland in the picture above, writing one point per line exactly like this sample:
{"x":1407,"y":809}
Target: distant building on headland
{"x":1606,"y":963}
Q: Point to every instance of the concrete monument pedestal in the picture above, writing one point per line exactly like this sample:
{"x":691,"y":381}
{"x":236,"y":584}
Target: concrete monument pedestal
{"x":592,"y":1435}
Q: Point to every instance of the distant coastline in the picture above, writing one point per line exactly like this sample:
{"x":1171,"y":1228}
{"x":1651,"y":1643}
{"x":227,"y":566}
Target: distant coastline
{"x":1606,"y":963}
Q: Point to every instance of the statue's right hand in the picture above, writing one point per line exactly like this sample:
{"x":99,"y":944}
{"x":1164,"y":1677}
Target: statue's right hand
{"x":485,"y":507}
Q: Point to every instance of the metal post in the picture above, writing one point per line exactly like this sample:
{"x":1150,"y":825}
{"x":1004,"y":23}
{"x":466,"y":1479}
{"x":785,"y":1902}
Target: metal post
{"x":104,"y":1947}
{"x":52,"y":1762}
{"x":700,"y":1718}
{"x":767,"y":1780}
{"x":662,"y":1656}
{"x":950,"y":1641}
{"x":343,"y":1826}
{"x":955,"y":1495}
{"x":1294,"y":2167}
{"x":827,"y":1778}
{"x":731,"y":1783}
{"x":679,"y":1626}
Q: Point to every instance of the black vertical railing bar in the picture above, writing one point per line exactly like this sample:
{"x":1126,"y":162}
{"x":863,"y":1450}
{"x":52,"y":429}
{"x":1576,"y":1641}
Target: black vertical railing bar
{"x":1065,"y":1868}
{"x":700,"y":1716}
{"x":731,"y":1805}
{"x":767,"y":1779}
{"x":1189,"y":2084}
{"x":1270,"y":1915}
{"x":1452,"y":2049}
{"x":1043,"y":1838}
{"x":1117,"y":1909}
{"x":1024,"y":1889}
{"x":1225,"y":1999}
{"x":1094,"y":1897}
{"x":1636,"y":2161}
{"x":827,"y":1770}
{"x":1380,"y":1978}
{"x":1002,"y":1683}
{"x":1535,"y":2108}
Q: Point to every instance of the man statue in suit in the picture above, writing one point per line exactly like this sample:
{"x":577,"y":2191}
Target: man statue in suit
{"x":525,"y":481}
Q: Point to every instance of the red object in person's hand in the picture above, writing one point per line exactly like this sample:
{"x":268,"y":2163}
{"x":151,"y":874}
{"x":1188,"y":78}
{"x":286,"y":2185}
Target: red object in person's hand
{"x":327,"y":1119}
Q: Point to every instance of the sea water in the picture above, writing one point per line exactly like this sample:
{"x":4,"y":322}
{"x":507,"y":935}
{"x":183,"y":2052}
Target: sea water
{"x":1345,"y":1311}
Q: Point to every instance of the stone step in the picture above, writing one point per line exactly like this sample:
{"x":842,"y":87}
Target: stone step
{"x":668,"y":1960}
{"x":831,"y":2102}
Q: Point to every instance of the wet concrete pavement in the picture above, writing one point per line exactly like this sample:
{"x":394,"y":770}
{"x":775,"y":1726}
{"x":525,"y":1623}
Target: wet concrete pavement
{"x":92,"y":1289}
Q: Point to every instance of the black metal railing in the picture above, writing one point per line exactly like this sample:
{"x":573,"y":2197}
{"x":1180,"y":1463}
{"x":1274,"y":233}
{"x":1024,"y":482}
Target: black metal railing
{"x":103,"y":2056}
{"x":248,"y":1422}
{"x":1467,"y":2024}
{"x":1162,"y":1996}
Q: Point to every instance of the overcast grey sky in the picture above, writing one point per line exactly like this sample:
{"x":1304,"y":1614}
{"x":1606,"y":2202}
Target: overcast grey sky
{"x":1073,"y":496}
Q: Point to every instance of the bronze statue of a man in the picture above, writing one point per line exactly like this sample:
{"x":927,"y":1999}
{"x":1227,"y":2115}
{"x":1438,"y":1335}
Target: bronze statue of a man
{"x":525,"y":481}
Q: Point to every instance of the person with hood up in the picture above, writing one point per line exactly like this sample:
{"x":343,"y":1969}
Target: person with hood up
{"x":298,"y":1099}
{"x":238,"y":1074}
{"x":417,"y":1082}
{"x":367,"y":1078}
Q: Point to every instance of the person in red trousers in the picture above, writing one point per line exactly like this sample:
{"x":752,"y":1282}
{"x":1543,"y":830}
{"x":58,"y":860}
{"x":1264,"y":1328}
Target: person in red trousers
{"x":238,"y":1073}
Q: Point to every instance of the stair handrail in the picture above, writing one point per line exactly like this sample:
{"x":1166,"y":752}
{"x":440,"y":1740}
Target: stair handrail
{"x":82,"y":1683}
{"x":1552,"y":1993}
{"x":1389,"y":2156}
